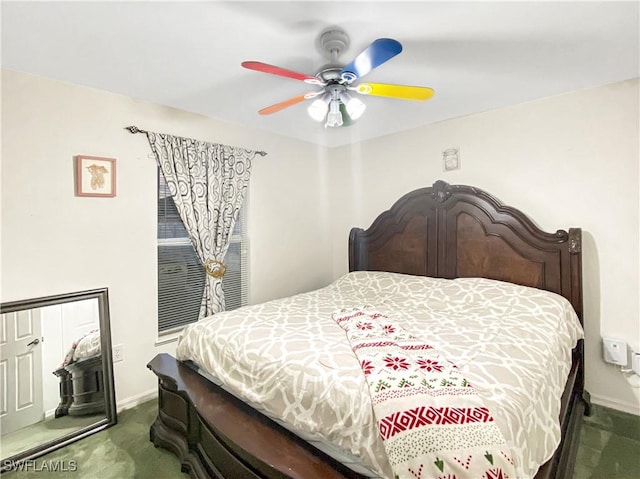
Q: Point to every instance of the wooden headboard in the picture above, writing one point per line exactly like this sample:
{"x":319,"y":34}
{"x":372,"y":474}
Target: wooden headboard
{"x":457,"y":231}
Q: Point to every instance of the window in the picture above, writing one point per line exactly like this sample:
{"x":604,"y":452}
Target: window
{"x":181,"y":276}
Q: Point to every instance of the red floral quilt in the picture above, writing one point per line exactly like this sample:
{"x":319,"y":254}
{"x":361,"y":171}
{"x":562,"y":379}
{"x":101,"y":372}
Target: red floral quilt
{"x":431,"y":420}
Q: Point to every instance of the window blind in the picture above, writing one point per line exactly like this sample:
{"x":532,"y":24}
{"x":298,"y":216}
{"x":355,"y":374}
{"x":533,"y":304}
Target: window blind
{"x":181,"y":276}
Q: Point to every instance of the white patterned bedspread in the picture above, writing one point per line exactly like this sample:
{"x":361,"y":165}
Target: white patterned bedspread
{"x":87,"y":346}
{"x":511,"y":342}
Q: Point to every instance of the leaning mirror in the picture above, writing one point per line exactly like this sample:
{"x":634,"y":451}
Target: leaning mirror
{"x":56,"y":374}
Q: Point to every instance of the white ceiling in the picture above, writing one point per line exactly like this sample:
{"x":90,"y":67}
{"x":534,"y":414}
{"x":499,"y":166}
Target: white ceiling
{"x":477,"y":56}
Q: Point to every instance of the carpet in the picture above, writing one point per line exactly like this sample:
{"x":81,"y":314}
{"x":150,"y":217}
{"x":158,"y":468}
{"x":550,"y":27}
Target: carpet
{"x":122,"y":451}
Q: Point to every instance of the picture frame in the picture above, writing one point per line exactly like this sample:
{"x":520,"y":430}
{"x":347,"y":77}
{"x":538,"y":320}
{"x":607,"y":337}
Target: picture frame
{"x":95,"y":176}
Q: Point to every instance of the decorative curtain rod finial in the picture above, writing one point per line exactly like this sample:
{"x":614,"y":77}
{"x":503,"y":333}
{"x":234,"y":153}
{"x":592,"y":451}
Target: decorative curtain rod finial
{"x":134,"y":129}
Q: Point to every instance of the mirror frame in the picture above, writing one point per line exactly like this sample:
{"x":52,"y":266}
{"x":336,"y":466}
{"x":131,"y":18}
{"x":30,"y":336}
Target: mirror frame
{"x":102,"y":295}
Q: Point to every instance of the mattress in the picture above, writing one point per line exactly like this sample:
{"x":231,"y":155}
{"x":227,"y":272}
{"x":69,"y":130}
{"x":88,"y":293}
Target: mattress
{"x":289,"y":359}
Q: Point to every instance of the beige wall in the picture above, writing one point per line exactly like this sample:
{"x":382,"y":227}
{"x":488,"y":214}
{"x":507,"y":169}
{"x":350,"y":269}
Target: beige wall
{"x":54,"y":242}
{"x":569,"y":160}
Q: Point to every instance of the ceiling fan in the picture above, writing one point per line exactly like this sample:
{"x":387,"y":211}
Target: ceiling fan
{"x":334,"y":104}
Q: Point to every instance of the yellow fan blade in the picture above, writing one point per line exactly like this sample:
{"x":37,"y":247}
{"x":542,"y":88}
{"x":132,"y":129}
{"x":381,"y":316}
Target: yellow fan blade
{"x":395,"y":91}
{"x":282,"y":105}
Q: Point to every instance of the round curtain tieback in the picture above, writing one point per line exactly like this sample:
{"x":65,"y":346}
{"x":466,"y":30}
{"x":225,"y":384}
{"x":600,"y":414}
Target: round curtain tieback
{"x":215,"y":268}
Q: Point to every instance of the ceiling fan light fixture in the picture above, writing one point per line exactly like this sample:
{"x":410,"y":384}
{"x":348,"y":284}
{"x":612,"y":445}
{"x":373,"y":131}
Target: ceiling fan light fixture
{"x":334,"y":117}
{"x":318,"y":109}
{"x":355,"y":107}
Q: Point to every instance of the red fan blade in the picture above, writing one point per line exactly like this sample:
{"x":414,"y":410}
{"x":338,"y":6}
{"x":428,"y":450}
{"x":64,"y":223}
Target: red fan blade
{"x":283,"y":72}
{"x":287,"y":103}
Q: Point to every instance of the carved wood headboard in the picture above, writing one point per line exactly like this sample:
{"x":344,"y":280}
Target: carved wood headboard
{"x":457,"y":231}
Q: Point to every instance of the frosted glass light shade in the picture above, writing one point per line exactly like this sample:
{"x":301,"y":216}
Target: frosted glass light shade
{"x":355,"y":108}
{"x":318,"y":109}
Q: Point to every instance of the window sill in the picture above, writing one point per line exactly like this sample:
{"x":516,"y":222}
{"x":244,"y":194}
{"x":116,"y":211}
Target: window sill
{"x":167,"y":338}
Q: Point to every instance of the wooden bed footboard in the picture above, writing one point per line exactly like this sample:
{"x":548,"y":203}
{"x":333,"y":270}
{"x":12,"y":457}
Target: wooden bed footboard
{"x":215,"y":435}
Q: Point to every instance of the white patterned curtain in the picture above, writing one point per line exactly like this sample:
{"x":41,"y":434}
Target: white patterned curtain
{"x":208,"y":183}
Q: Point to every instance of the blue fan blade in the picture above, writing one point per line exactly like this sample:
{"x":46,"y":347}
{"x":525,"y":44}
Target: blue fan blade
{"x":376,"y":54}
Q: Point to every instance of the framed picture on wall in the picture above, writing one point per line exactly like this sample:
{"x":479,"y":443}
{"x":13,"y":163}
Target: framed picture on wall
{"x":95,"y":176}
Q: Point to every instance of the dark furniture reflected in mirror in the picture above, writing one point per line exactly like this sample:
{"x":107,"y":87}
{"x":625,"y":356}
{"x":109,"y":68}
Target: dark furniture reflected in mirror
{"x":56,"y":373}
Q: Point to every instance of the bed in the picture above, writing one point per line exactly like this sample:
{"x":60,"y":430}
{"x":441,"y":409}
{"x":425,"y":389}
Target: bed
{"x":443,"y":237}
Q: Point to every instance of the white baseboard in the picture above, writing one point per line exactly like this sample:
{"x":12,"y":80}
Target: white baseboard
{"x":134,"y":401}
{"x":612,"y":403}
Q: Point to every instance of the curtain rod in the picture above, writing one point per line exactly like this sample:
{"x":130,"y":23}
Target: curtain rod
{"x":135,"y":129}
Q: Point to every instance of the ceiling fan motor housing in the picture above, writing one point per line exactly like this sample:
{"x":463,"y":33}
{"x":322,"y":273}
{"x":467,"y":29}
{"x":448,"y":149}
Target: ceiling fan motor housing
{"x":330,"y":73}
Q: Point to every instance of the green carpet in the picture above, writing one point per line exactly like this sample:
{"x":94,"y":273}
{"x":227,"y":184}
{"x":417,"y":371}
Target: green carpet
{"x":609,"y":446}
{"x":119,"y":452}
{"x":124,"y":450}
{"x":44,"y":431}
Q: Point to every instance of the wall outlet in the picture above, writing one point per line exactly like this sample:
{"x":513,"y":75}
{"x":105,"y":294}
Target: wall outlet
{"x":118,"y":353}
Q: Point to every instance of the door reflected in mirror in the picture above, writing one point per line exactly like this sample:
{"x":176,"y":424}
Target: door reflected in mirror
{"x":56,"y":374}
